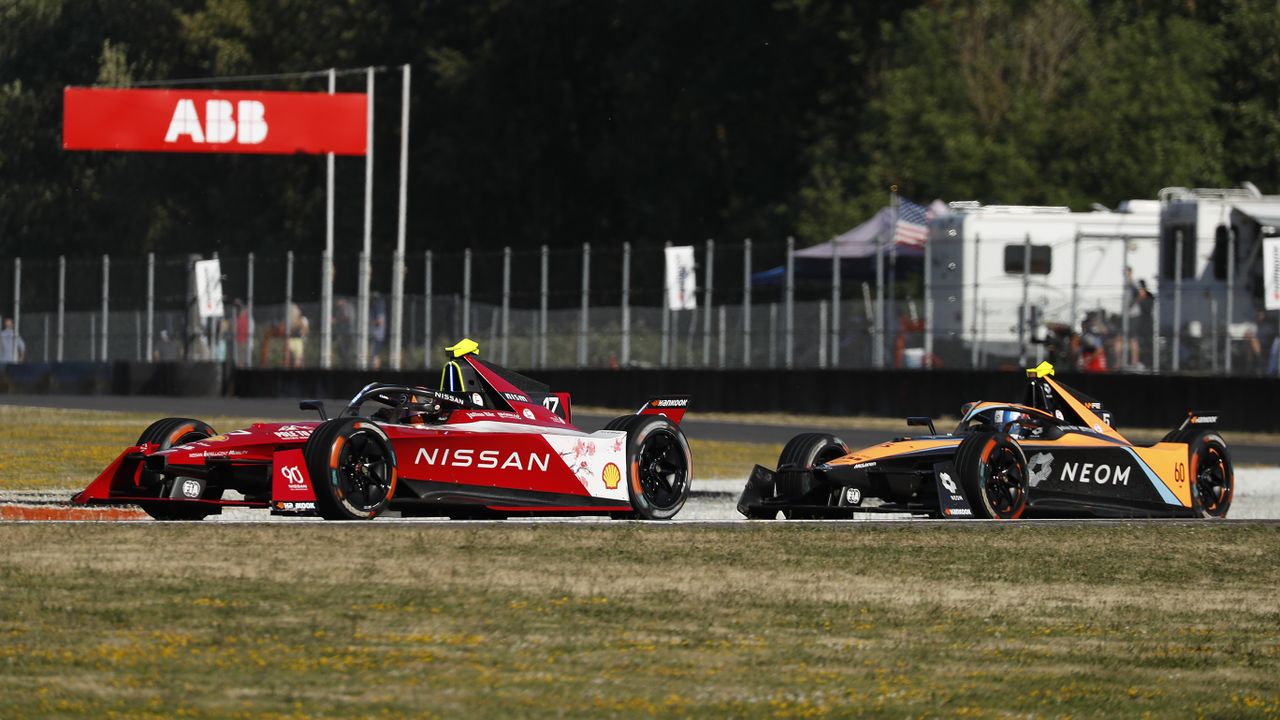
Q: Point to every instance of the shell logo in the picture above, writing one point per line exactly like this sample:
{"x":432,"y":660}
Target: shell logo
{"x":611,"y":476}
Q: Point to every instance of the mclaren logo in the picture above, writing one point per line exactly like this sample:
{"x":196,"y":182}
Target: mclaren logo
{"x":482,"y":459}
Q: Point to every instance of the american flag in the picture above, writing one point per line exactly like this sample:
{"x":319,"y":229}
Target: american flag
{"x":913,"y":223}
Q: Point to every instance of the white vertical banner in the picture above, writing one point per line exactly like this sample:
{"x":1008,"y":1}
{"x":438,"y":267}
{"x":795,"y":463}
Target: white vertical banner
{"x":682,"y":281}
{"x":1271,"y":272}
{"x":209,"y":288}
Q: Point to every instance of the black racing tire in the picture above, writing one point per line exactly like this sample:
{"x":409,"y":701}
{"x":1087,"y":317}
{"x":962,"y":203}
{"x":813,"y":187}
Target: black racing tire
{"x":805,"y":452}
{"x":1213,"y":481}
{"x":659,"y":466}
{"x":993,"y":473}
{"x":808,"y":450}
{"x":170,"y":433}
{"x":352,"y":467}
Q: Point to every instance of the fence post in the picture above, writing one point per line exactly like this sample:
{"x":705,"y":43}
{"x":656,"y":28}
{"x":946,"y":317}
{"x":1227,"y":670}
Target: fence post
{"x":362,"y":313}
{"x":1125,"y":359}
{"x":45,"y":356}
{"x":288,"y":308}
{"x":426,"y":314}
{"x":93,"y":337}
{"x":706,"y":302}
{"x":1177,"y":301}
{"x":789,"y":298}
{"x":665,"y":358}
{"x":1075,"y":277}
{"x":466,"y":292}
{"x":586,"y":307}
{"x":927,"y":360}
{"x":62,"y":307}
{"x":1231,"y":291}
{"x":542,"y":309}
{"x":1026,"y":299}
{"x":746,"y":303}
{"x":976,"y":345}
{"x":506,"y":301}
{"x":248,"y":360}
{"x":822,"y":334}
{"x":834,"y":350}
{"x":1155,"y":333}
{"x":773,"y":334}
{"x":397,"y":262}
{"x":106,"y":304}
{"x":17,"y":296}
{"x":626,"y":303}
{"x":326,"y":270}
{"x":137,"y":335}
{"x":720,"y":354}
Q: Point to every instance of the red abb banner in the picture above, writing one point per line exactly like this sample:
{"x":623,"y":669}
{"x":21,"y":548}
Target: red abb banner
{"x":212,"y":121}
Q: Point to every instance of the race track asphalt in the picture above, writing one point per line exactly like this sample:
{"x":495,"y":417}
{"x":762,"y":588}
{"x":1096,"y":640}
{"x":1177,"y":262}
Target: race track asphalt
{"x":703,"y":429}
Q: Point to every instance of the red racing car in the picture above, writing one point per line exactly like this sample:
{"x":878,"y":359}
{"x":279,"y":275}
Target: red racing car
{"x":489,"y":443}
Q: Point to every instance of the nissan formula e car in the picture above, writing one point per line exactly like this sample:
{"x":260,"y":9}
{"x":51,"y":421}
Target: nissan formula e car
{"x":1054,"y":455}
{"x":490,"y":443}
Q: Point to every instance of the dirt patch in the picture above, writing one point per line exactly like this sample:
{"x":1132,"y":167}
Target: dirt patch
{"x":68,"y":512}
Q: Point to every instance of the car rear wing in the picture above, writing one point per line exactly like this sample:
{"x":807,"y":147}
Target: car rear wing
{"x":672,"y":407}
{"x":1198,"y":418}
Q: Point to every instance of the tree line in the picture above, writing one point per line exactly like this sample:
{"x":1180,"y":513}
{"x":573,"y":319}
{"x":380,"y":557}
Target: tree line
{"x":565,"y":121}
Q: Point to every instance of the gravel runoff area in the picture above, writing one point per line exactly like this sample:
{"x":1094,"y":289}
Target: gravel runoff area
{"x":1257,"y":498}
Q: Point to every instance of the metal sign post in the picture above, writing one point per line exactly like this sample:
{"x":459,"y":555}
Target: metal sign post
{"x":397,"y":263}
{"x":326,"y":270}
{"x":362,"y":312}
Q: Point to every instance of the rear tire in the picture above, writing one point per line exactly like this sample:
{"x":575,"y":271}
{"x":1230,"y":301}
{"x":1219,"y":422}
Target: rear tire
{"x":993,"y":472}
{"x":1213,"y":481}
{"x":659,"y":466}
{"x":352,"y":468}
{"x":169,"y":433}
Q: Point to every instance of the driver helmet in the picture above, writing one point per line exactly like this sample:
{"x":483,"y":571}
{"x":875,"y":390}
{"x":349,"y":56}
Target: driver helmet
{"x":1005,"y":416}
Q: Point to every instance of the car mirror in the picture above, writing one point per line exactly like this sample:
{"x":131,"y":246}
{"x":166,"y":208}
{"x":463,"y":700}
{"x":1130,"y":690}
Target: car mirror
{"x":923,"y":421}
{"x":317,"y":405}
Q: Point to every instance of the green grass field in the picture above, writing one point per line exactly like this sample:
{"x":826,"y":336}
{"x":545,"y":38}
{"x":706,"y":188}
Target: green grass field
{"x":803,"y":620}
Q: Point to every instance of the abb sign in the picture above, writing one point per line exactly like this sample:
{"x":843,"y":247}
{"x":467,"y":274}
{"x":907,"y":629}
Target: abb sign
{"x":213,"y":121}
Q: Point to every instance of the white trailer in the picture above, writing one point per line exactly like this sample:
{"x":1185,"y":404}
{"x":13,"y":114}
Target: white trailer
{"x":1210,"y":270}
{"x":983,"y":304}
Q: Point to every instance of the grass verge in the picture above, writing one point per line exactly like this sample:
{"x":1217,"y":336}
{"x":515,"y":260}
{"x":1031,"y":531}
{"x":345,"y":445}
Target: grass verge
{"x":629,"y":619}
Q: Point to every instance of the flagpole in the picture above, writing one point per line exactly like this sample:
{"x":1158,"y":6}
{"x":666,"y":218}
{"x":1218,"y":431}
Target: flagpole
{"x":877,"y":350}
{"x":891,"y":329}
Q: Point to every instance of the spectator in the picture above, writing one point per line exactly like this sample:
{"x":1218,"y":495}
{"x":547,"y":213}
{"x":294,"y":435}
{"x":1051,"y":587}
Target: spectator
{"x":1140,"y":311}
{"x":1268,"y":342}
{"x":242,"y":333}
{"x":344,"y":332}
{"x":1093,"y":360}
{"x":377,"y":330}
{"x":299,"y":329}
{"x":12,"y":348}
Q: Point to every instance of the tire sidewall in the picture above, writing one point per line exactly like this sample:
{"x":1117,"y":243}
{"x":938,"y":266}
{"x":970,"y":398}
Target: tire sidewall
{"x":1197,"y":444}
{"x":321,"y":451}
{"x":638,"y":432}
{"x":972,"y":463}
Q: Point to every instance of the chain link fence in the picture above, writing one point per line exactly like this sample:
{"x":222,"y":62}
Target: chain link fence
{"x":602,"y":305}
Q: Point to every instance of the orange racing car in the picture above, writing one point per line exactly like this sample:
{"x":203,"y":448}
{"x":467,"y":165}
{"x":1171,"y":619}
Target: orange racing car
{"x":1055,"y":454}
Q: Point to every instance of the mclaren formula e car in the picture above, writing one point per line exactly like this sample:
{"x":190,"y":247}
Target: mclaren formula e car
{"x":1053,"y":455}
{"x":488,"y":443}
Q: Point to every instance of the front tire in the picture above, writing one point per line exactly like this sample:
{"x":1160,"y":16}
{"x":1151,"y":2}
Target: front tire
{"x":993,"y":472}
{"x":805,"y":452}
{"x":659,"y":465}
{"x":352,"y":468}
{"x":170,"y":433}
